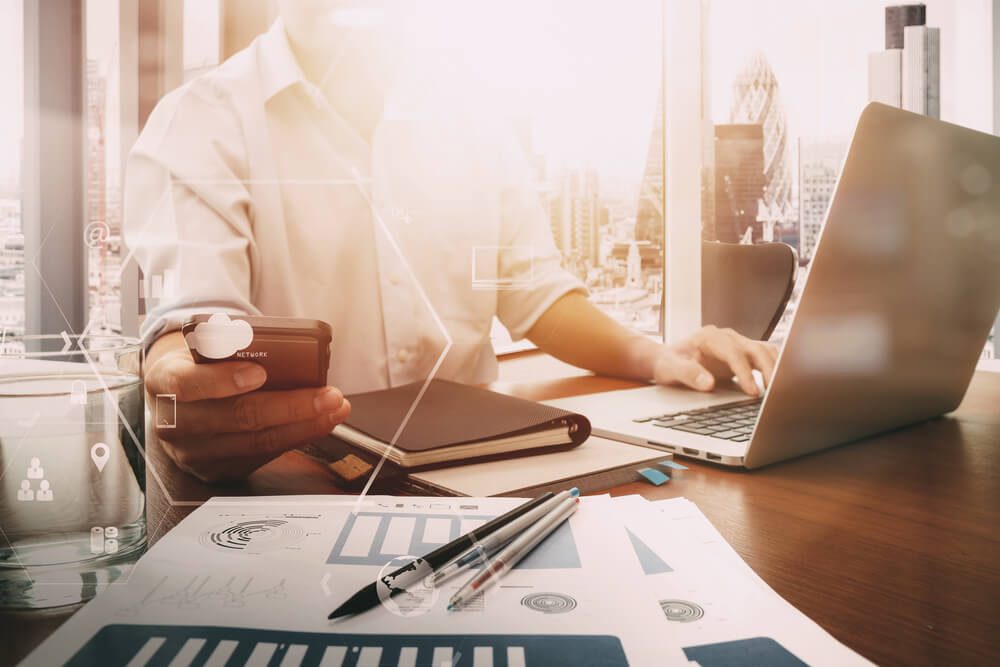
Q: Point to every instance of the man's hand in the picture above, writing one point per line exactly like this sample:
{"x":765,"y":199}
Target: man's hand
{"x":576,"y":331}
{"x":224,"y":428}
{"x":715,"y":354}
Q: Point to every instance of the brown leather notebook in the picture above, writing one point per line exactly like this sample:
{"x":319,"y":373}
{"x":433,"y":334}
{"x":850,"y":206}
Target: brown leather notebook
{"x":448,"y":424}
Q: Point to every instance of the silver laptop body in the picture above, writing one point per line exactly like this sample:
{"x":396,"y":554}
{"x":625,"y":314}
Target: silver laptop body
{"x":903,"y":289}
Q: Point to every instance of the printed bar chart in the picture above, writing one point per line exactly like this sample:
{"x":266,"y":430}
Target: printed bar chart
{"x":375,"y":538}
{"x":184,"y":646}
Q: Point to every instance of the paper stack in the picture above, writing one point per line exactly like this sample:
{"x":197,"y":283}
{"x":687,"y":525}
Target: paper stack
{"x":624,"y":582}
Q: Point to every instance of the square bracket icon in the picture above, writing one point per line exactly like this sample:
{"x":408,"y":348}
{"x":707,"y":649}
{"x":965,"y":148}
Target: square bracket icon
{"x":165,"y":411}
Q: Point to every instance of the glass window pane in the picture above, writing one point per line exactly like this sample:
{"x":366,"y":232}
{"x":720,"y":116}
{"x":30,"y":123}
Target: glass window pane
{"x":580,"y":89}
{"x":103,"y":166}
{"x":11,"y":139}
{"x":788,"y":81}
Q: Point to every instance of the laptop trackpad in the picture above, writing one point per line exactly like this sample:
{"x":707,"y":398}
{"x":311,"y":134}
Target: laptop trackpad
{"x":624,"y":405}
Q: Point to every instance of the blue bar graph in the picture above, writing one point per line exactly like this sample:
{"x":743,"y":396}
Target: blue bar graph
{"x":375,"y":538}
{"x":201,"y":646}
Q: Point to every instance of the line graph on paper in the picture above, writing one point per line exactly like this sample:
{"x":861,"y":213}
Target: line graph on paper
{"x":209,"y":591}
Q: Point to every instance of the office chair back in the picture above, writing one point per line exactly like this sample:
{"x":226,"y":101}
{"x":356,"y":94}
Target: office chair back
{"x":746,"y":287}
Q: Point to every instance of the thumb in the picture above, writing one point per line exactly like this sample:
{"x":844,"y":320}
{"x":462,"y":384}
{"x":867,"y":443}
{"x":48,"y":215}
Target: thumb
{"x":672,"y":368}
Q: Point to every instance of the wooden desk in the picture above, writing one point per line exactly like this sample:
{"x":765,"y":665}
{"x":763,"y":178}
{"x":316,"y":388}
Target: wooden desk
{"x":892,"y":545}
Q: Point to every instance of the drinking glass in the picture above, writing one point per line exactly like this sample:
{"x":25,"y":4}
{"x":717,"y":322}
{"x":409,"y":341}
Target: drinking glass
{"x":72,"y":472}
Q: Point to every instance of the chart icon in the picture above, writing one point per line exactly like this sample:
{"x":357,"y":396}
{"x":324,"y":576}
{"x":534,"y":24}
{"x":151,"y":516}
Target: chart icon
{"x":254,"y":536}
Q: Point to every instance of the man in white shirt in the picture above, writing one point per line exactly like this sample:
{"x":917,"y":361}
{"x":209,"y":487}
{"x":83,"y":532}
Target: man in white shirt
{"x":294,"y":181}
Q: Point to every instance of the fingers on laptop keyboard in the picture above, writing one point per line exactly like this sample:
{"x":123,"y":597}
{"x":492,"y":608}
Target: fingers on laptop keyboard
{"x":730,"y":423}
{"x":726,"y":431}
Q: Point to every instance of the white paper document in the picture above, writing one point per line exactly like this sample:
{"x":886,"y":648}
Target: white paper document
{"x":719,"y":611}
{"x":623,"y":582}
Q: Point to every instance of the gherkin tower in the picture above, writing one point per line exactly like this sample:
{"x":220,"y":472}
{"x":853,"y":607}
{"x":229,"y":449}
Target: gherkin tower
{"x":757,"y":101}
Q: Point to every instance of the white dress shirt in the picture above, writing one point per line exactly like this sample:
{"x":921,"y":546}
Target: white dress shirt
{"x":248,"y":193}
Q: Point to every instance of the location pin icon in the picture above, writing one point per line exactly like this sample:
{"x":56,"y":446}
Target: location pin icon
{"x":100,"y":453}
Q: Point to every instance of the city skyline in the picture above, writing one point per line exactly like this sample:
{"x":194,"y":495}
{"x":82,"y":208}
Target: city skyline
{"x":821,"y":74}
{"x":819,"y":167}
{"x":757,"y":101}
{"x":602,"y":190}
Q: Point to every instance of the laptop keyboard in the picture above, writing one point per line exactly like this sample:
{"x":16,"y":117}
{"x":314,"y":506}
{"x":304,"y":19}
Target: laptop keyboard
{"x":730,"y":421}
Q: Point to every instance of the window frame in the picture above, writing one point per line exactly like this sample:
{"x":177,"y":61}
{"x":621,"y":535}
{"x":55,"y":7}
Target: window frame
{"x":53,"y":197}
{"x":996,"y":130}
{"x":683,"y":136}
{"x":54,"y":154}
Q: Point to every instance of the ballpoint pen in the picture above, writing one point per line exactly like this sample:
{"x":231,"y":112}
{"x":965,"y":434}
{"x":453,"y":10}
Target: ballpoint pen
{"x":481,"y":550}
{"x":514,"y":552}
{"x":421,"y":568}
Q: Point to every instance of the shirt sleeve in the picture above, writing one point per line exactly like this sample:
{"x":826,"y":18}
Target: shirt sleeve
{"x":529,"y":264}
{"x":187,"y":218}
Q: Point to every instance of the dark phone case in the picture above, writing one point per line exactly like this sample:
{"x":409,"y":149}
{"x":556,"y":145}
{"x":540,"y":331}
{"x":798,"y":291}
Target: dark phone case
{"x":294,"y":352}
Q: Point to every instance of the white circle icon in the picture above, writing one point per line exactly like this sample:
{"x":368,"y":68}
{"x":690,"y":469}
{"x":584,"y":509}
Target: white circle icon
{"x":405,"y":586}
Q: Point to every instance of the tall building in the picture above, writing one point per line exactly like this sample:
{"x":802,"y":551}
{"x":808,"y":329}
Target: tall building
{"x":757,"y":101}
{"x":907,"y":73}
{"x":11,"y":266}
{"x":97,"y":180}
{"x":103,"y":207}
{"x":740,"y":180}
{"x":819,"y":166}
{"x":575,"y":212}
{"x":885,"y":77}
{"x":921,"y":77}
{"x":649,"y":217}
{"x":897,"y":18}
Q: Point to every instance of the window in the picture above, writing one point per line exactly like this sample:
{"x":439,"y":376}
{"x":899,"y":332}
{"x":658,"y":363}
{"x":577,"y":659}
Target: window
{"x":579,"y":84}
{"x":103,"y":172}
{"x":11,"y":138}
{"x":104,"y":137}
{"x":787,"y":81}
{"x":581,"y":88}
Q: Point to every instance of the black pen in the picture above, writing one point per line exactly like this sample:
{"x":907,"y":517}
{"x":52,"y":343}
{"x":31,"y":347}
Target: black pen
{"x":419,"y":569}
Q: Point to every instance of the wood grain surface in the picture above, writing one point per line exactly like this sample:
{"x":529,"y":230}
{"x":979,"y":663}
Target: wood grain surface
{"x":891,"y":544}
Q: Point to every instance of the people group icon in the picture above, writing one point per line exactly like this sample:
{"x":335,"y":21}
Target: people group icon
{"x":35,"y":471}
{"x":44,"y":492}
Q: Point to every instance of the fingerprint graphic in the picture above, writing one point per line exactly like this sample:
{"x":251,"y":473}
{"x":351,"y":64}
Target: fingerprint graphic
{"x":255,"y":536}
{"x":681,"y":611}
{"x":549,"y":603}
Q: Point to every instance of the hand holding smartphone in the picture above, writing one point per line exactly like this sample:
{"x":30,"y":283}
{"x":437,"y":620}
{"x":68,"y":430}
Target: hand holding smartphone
{"x":233,"y":393}
{"x":294,"y":352}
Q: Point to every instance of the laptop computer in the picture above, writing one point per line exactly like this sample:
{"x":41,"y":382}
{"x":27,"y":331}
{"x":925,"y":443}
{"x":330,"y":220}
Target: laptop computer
{"x":903,"y":289}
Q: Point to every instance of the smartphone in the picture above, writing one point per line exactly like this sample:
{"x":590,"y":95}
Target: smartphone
{"x":294,"y":352}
